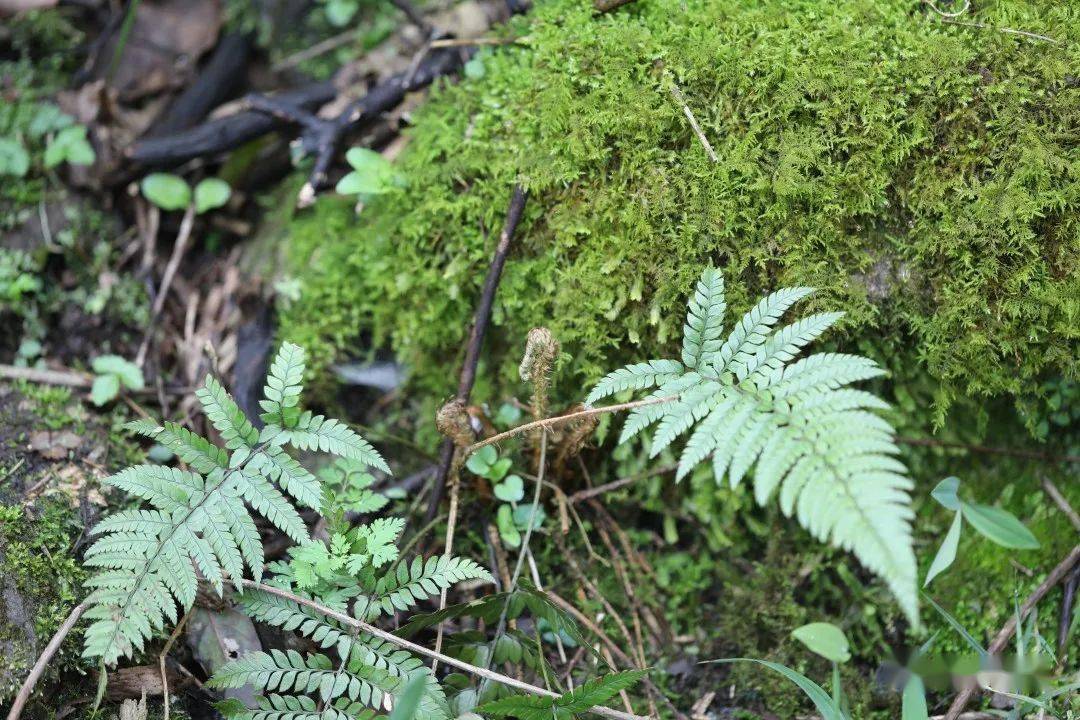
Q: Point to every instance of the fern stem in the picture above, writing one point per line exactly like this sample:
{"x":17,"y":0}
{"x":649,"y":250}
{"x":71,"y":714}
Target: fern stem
{"x":421,"y":650}
{"x":563,"y":419}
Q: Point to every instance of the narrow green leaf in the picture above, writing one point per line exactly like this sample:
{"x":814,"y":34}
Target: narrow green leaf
{"x":999,"y":526}
{"x":817,"y":694}
{"x":408,"y":702}
{"x":946,"y":554}
{"x":960,"y":629}
{"x":914,"y":700}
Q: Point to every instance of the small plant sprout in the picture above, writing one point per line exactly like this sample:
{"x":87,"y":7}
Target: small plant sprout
{"x":111,"y":372}
{"x":372,"y":174}
{"x":171,"y":192}
{"x":998,"y":526}
{"x":510,"y":519}
{"x":69,"y":145}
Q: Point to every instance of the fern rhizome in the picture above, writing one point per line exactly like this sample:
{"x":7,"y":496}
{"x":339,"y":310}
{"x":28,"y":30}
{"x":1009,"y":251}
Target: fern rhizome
{"x":746,"y":400}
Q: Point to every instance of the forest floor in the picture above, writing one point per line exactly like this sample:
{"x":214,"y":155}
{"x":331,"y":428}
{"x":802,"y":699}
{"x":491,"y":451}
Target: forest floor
{"x":154,"y":157}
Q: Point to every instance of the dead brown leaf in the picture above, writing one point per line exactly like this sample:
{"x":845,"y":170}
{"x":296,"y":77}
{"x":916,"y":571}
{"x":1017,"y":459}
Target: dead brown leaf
{"x":54,"y":445}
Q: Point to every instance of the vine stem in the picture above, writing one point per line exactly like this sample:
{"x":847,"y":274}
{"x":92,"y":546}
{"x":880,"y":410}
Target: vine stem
{"x":421,"y":650}
{"x":562,"y":419}
{"x":42,"y":662}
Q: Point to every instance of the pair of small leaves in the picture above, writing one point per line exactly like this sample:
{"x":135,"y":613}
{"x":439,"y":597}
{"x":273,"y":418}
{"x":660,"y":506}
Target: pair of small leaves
{"x":111,"y":372}
{"x":486,"y":463}
{"x":172,"y":192}
{"x":70,"y":145}
{"x":372,"y":174}
{"x":999,"y":526}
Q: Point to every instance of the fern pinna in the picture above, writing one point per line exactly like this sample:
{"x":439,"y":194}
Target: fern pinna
{"x":746,"y":400}
{"x":359,"y":572}
{"x":149,"y":560}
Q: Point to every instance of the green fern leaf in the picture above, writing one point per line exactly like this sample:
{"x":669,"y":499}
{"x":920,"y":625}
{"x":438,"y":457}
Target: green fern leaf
{"x":410,"y":583}
{"x":236,"y":430}
{"x":281,"y":395}
{"x":817,"y":443}
{"x":314,"y":432}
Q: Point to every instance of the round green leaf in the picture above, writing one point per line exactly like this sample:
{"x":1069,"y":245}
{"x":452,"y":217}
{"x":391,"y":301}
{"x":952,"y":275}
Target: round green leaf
{"x":105,"y":388}
{"x":825,"y":639}
{"x":522,"y":514}
{"x":512,"y":489}
{"x":945,"y":493}
{"x":211,"y":194}
{"x":999,"y":526}
{"x":498,"y":469}
{"x":167,"y":191}
{"x":480,"y":461}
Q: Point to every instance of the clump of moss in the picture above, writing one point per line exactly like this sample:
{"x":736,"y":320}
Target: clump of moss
{"x":922,"y":175}
{"x":41,"y":582}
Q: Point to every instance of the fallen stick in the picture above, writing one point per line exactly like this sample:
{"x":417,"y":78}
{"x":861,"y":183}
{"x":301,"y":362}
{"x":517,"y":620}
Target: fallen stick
{"x":421,"y":650}
{"x":476,"y":338}
{"x":36,"y":672}
{"x":1005,"y":634}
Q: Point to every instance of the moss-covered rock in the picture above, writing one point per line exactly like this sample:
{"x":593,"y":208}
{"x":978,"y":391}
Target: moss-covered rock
{"x":40,"y":582}
{"x":923,"y":175}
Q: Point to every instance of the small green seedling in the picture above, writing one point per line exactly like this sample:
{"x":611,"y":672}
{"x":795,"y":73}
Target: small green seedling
{"x":171,"y":192}
{"x":14,"y":160}
{"x":70,"y":145}
{"x":110,"y":373}
{"x":511,"y":519}
{"x":372,"y":174}
{"x":340,"y":12}
{"x":999,"y":526}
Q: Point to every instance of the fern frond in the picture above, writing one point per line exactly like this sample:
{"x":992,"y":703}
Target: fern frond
{"x":198,"y":452}
{"x":236,"y":430}
{"x":281,"y":395}
{"x":419,"y":580}
{"x":315,"y":432}
{"x":814,"y":441}
{"x":704,"y":319}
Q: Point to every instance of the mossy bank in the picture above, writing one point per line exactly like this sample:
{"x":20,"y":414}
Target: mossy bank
{"x":923,"y":175}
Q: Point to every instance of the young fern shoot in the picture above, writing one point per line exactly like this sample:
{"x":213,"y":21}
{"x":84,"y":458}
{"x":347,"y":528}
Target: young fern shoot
{"x":746,"y":401}
{"x":148,"y":560}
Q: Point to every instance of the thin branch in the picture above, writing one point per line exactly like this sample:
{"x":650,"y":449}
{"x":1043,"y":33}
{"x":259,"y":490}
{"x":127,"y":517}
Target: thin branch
{"x":677,"y":93}
{"x":42,"y":662}
{"x":988,"y":449}
{"x":1005,"y":634}
{"x":421,"y":650}
{"x":603,"y":6}
{"x":66,"y":378}
{"x":592,"y":492}
{"x":473,"y":42}
{"x":1061,"y":502}
{"x":161,"y":664}
{"x":476,"y":337}
{"x":183,"y":236}
{"x":562,"y":419}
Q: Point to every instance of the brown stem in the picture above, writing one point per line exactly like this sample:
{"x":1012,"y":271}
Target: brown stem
{"x":476,"y":337}
{"x":988,"y":449}
{"x":561,"y":419}
{"x":43,"y":661}
{"x":1002,"y":638}
{"x":421,"y":650}
{"x":183,"y":236}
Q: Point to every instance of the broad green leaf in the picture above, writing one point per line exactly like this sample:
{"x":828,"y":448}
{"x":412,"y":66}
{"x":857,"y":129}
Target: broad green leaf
{"x":945,"y":493}
{"x":211,"y":194}
{"x":372,"y":173}
{"x":47,"y":118}
{"x":104,"y":389}
{"x":340,"y":12}
{"x":128,"y":372}
{"x":522,"y":513}
{"x":946,"y":554}
{"x":498,"y":469}
{"x":167,"y":191}
{"x":69,"y":144}
{"x":511,"y":489}
{"x":914,"y":700}
{"x":14,"y":160}
{"x":825,"y":639}
{"x":999,"y":526}
{"x":817,"y":694}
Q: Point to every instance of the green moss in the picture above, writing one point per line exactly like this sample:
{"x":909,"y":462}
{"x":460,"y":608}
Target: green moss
{"x":41,"y":583}
{"x":923,"y":175}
